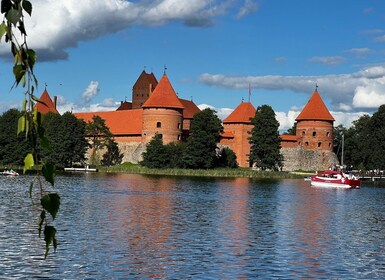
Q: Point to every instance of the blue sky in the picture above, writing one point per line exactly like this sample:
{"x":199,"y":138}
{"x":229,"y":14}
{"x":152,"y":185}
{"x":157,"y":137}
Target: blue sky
{"x":90,"y":53}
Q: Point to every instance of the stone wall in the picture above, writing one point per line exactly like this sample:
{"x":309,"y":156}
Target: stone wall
{"x":307,"y":160}
{"x":132,"y":152}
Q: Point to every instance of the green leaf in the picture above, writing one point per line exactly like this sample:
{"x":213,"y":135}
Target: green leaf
{"x":51,"y":203}
{"x":24,"y":105}
{"x":6,"y":5}
{"x":49,"y":173}
{"x":31,"y":58}
{"x":27,"y":6}
{"x":18,"y":72}
{"x":49,"y":237}
{"x":13,"y":16}
{"x":21,"y":125}
{"x":41,"y":221}
{"x":28,"y":162}
{"x":3,"y":29}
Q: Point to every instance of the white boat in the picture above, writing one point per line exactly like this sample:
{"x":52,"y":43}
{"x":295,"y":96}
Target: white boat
{"x":9,"y":173}
{"x":335,"y":179}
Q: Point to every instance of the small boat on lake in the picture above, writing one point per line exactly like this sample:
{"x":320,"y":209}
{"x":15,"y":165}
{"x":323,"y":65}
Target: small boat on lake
{"x":335,"y":179}
{"x":11,"y":173}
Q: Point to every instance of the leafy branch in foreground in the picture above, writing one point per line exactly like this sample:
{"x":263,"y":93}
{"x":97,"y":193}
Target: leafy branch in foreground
{"x":30,"y":123}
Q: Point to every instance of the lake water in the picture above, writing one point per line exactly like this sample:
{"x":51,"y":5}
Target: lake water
{"x":121,"y":226}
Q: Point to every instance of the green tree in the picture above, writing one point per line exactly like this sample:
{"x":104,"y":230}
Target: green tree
{"x":175,"y":151}
{"x":67,"y":137}
{"x":375,"y":145}
{"x":227,"y":158}
{"x":339,"y":132}
{"x":292,"y":130}
{"x":112,"y":156}
{"x":100,"y":136}
{"x":156,"y":155}
{"x":264,"y":140}
{"x":13,"y":147}
{"x":201,"y":148}
{"x":30,"y":123}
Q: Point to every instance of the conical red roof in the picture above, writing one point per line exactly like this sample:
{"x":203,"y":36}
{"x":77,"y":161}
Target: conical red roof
{"x":315,"y":109}
{"x":241,"y":114}
{"x":163,"y":96}
{"x":47,"y":104}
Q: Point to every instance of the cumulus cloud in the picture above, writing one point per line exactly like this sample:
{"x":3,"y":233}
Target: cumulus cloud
{"x":56,"y":26}
{"x":364,"y":89}
{"x":91,"y":91}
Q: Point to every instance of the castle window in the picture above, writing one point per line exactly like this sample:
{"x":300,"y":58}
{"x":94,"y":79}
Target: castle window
{"x":306,"y":143}
{"x":319,"y":144}
{"x":314,"y":133}
{"x":303,"y":133}
{"x":327,"y":134}
{"x":178,"y":125}
{"x":178,"y":137}
{"x":330,"y":144}
{"x":160,"y":136}
{"x":158,"y":124}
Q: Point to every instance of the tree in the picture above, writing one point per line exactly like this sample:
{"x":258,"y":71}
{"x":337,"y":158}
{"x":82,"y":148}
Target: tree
{"x":67,"y":137}
{"x":13,"y":147}
{"x":227,"y":158}
{"x":175,"y":151}
{"x":156,"y":155}
{"x":30,"y":123}
{"x":100,"y":135}
{"x":292,"y":130}
{"x":201,"y":148}
{"x":375,"y":145}
{"x":112,"y":156}
{"x":264,"y":140}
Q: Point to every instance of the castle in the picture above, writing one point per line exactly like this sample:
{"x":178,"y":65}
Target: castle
{"x":156,"y":109}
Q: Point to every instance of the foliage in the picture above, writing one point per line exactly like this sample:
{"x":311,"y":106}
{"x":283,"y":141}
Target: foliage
{"x":292,"y":130}
{"x":227,"y":158}
{"x":264,"y":140}
{"x":338,"y":132}
{"x":13,"y":147}
{"x":67,"y":137}
{"x":174,"y":152}
{"x":155,"y":155}
{"x":100,"y":135}
{"x":112,"y":156}
{"x":30,"y":123}
{"x":201,"y":148}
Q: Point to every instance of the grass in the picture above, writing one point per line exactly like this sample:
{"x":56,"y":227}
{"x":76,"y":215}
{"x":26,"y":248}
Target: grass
{"x":218,"y":172}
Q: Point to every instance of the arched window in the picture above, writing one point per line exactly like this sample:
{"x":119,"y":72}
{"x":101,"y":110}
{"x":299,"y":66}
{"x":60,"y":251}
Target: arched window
{"x":314,"y":133}
{"x":178,"y":125}
{"x":328,"y":134}
{"x":303,"y":133}
{"x":158,"y":124}
{"x":306,"y":144}
{"x":319,"y":144}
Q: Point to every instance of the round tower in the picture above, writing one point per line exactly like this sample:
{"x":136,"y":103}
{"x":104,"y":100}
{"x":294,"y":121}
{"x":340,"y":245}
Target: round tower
{"x":162,"y":114}
{"x":315,"y":125}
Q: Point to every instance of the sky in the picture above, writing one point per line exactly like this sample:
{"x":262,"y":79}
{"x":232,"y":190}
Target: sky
{"x":217,"y":53}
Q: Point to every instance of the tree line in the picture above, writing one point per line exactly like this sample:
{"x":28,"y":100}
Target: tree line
{"x":67,"y":139}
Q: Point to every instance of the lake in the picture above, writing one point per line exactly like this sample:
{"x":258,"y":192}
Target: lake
{"x":123,"y":226}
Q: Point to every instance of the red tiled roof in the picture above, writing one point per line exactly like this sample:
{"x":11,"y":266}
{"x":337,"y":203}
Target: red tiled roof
{"x":190,"y":109}
{"x":125,"y":106}
{"x":241,"y":114}
{"x":48,"y":105}
{"x":144,"y":80}
{"x":121,"y":122}
{"x":163,"y":96}
{"x":315,"y":109}
{"x":289,"y":138}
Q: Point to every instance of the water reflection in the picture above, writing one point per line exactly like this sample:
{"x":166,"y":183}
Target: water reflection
{"x":131,"y":226}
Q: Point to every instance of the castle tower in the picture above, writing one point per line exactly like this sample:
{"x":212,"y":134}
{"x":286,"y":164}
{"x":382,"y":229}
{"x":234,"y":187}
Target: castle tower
{"x":162,"y":114}
{"x":46,"y":105}
{"x":315,"y":125}
{"x":142,"y":89}
{"x":236,"y":129}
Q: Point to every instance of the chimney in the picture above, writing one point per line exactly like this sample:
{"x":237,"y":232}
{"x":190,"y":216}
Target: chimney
{"x":54,"y":101}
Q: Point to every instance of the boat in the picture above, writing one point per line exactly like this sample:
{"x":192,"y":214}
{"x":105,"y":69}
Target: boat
{"x":9,"y":173}
{"x":335,"y":179}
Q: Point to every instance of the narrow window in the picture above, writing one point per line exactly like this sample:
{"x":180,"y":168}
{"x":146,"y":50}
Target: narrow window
{"x":178,"y":137}
{"x":160,"y":136}
{"x":306,"y":143}
{"x":158,"y":124}
{"x":327,"y":134}
{"x":178,"y":125}
{"x":303,"y":133}
{"x":314,"y":133}
{"x":319,"y":144}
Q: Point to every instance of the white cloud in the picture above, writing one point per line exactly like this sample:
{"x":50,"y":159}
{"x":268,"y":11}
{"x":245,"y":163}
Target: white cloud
{"x":56,"y":26}
{"x":361,"y":89}
{"x":248,"y":7}
{"x":330,"y":60}
{"x":91,"y":91}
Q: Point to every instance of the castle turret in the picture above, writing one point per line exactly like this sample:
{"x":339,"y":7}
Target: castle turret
{"x":236,"y":132}
{"x":142,"y":89}
{"x":162,"y":114}
{"x":46,"y":104}
{"x":315,"y":125}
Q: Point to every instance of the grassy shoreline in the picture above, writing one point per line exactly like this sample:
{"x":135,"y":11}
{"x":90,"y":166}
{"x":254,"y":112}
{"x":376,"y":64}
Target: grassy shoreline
{"x":219,"y":172}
